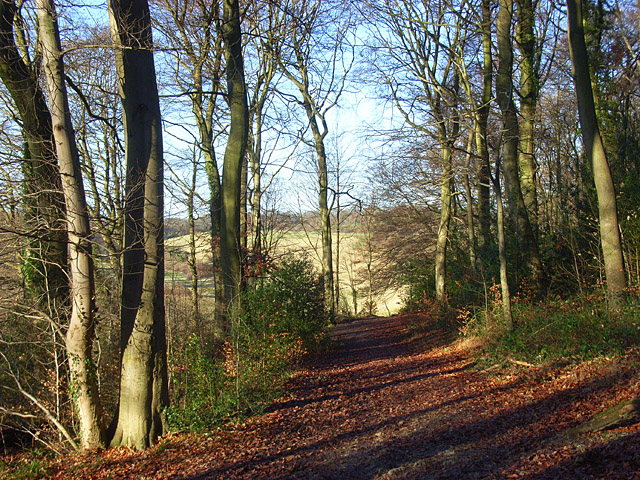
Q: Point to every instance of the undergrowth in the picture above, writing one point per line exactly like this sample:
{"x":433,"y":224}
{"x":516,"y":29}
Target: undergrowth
{"x":28,"y":466}
{"x":577,"y":328}
{"x":219,"y":381}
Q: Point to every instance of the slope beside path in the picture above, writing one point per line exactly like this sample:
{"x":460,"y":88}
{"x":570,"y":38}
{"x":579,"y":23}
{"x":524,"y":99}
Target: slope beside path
{"x":382,"y":406}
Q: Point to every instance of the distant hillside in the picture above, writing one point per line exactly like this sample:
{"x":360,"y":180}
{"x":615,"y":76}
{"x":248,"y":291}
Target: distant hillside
{"x":281,"y":221}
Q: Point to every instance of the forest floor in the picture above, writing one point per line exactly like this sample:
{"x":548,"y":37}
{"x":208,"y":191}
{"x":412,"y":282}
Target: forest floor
{"x":384,"y":404}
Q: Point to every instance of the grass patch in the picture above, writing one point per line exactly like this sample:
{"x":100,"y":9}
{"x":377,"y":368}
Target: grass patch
{"x":30,"y":465}
{"x":577,"y":329}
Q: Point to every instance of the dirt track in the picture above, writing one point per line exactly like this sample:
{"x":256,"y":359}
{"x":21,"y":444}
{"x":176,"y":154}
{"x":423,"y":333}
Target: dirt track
{"x":382,"y":407}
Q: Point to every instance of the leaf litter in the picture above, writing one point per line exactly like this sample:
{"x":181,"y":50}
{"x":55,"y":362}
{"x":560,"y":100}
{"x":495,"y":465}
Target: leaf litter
{"x":386,"y":405}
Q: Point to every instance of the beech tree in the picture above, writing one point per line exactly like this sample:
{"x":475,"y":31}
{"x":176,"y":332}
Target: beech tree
{"x":236,"y":148}
{"x":421,"y":41}
{"x":143,"y":383}
{"x":597,"y":158}
{"x":81,"y":330}
{"x":44,"y":268}
{"x":481,"y":119}
{"x":511,"y":140}
{"x":266,"y":38}
{"x":197,"y":71}
{"x":529,"y":91}
{"x":313,"y":60}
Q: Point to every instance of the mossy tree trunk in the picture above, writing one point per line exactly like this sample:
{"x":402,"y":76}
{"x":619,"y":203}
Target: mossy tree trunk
{"x":597,"y":158}
{"x":511,"y":136}
{"x":234,"y":156}
{"x":529,"y":89}
{"x":481,"y":122}
{"x":45,"y":262}
{"x":502,"y":254}
{"x":443,"y":228}
{"x":471,"y":231}
{"x":143,"y":384}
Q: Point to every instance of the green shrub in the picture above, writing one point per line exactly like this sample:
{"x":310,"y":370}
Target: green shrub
{"x":200,"y":388}
{"x":281,"y":318}
{"x":290,"y":302}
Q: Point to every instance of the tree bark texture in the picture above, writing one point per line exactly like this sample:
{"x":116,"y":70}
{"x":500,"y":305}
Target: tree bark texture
{"x":504,"y":96}
{"x":471,"y":231}
{"x":502,"y":254}
{"x":230,"y":240}
{"x":325,"y":212}
{"x":529,"y":88}
{"x":80,"y":334}
{"x":597,"y":158}
{"x":44,"y":268}
{"x":143,"y":383}
{"x":443,"y":227}
{"x":255,"y":156}
{"x":482,"y":116}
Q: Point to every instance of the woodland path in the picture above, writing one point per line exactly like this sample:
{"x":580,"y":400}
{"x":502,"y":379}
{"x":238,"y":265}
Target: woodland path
{"x":383,"y":406}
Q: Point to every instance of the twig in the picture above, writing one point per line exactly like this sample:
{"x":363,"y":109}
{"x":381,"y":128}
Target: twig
{"x":519,"y":362}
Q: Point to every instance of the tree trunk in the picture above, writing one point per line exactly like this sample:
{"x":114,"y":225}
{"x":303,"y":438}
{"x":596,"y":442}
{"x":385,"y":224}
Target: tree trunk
{"x":529,"y":87}
{"x":230,"y":240}
{"x":471,"y":234}
{"x":484,"y":172}
{"x":256,"y":198}
{"x":215,"y":213}
{"x":597,"y":158}
{"x":193,"y":259}
{"x":325,"y":217}
{"x":45,"y":263}
{"x":337,"y":269}
{"x":143,"y":383}
{"x":244,"y":198}
{"x":80,"y":334}
{"x":443,"y":229}
{"x":504,"y":95}
{"x":502,"y":253}
{"x":323,"y":190}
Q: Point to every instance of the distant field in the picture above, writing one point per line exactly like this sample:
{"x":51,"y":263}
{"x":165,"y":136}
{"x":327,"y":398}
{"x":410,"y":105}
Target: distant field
{"x":352,"y":271}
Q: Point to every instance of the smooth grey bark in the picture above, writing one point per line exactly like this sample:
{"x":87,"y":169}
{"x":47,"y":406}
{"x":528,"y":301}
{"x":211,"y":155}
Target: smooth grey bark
{"x":471,"y":234}
{"x":45,"y":263}
{"x":234,"y":156}
{"x":143,"y":383}
{"x":81,"y":330}
{"x":502,"y":253}
{"x":529,"y":91}
{"x":511,"y":136}
{"x":597,"y":158}
{"x":481,"y":123}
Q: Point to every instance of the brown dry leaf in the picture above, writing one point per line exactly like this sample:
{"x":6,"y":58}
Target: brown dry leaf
{"x":381,"y":406}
